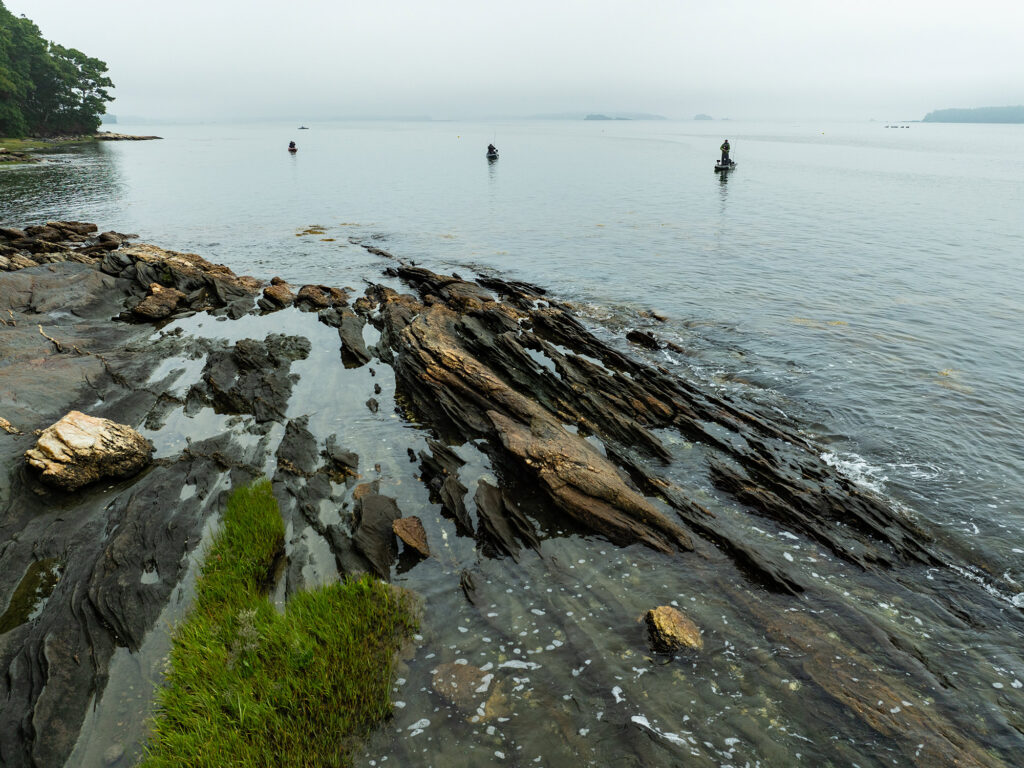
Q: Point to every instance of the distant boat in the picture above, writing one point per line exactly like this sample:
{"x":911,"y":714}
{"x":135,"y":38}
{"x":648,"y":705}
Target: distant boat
{"x":303,"y":128}
{"x":492,"y":155}
{"x":726,"y":166}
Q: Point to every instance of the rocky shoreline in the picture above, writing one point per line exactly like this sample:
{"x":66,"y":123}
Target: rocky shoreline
{"x":573,"y":429}
{"x":24,"y":157}
{"x":10,"y":156}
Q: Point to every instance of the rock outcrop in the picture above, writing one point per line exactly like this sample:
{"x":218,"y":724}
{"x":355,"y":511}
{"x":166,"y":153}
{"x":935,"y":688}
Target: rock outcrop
{"x":521,"y":427}
{"x":81,"y":449}
{"x":670,"y":631}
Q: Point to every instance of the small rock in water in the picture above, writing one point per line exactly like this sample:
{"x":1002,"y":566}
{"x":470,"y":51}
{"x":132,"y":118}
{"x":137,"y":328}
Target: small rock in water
{"x":373,"y":405}
{"x":643,"y":339}
{"x":670,"y":630}
{"x":113,"y":754}
{"x":470,"y":689}
{"x":410,"y":530}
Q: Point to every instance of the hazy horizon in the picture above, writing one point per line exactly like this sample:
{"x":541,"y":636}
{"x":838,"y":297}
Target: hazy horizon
{"x":313,"y":60}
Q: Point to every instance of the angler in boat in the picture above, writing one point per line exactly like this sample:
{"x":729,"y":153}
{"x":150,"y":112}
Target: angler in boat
{"x":726,"y":163}
{"x":492,"y":151}
{"x":292,"y":147}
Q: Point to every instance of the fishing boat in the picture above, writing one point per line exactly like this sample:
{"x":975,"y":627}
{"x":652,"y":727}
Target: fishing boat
{"x":726,"y":166}
{"x":492,"y":155}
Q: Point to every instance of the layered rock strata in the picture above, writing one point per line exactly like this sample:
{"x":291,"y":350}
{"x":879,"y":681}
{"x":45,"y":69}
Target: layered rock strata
{"x":574,"y":432}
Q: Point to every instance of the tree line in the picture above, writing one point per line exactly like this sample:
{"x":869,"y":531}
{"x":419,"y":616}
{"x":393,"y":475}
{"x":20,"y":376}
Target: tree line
{"x":45,"y":88}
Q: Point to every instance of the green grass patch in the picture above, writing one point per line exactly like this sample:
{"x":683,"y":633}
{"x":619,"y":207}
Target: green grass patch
{"x":249,"y":686}
{"x":21,"y":145}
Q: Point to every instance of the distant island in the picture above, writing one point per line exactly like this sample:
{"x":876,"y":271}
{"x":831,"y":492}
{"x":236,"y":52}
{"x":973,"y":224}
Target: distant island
{"x":623,"y":116}
{"x":977,"y":115}
{"x":702,"y":116}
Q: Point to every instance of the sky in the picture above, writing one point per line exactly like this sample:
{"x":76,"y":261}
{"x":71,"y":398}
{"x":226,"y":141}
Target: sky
{"x":219,"y":60}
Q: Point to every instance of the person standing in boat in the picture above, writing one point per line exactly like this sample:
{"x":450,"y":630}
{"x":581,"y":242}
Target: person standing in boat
{"x":491,"y":149}
{"x":725,"y":151}
{"x":291,"y":146}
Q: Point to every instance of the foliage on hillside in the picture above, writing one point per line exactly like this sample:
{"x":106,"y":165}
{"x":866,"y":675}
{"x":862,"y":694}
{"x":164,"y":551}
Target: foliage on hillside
{"x":45,"y":88}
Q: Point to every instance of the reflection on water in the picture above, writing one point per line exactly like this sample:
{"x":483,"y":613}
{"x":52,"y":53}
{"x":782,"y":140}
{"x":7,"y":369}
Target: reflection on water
{"x":83,"y":178}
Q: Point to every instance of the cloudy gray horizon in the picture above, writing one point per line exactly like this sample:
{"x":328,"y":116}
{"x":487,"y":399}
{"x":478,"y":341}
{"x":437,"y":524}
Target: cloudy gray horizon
{"x":451,"y":59}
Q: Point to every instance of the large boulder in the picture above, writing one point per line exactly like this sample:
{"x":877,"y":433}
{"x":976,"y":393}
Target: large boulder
{"x":81,"y":449}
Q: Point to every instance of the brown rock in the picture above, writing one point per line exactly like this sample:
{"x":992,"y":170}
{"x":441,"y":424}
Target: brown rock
{"x":469,"y":688}
{"x":322,"y":296}
{"x":279,"y":294}
{"x":671,"y":631}
{"x":80,"y":449}
{"x":410,"y":530}
{"x":17,"y":261}
{"x":191,"y":269}
{"x":161,"y":302}
{"x":365,"y":488}
{"x":7,"y":427}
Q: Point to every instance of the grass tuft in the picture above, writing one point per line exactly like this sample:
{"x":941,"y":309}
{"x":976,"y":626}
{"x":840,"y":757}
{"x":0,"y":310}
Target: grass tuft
{"x":249,"y":686}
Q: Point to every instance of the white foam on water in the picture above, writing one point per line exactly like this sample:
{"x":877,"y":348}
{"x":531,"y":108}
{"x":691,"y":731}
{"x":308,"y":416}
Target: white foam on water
{"x":517,"y":664}
{"x":857,"y":469}
{"x":670,"y":737}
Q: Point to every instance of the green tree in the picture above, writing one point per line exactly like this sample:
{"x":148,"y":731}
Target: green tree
{"x":45,"y":88}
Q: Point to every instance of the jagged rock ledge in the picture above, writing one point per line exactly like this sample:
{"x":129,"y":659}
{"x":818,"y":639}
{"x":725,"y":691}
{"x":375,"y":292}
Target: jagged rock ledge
{"x":569,"y":424}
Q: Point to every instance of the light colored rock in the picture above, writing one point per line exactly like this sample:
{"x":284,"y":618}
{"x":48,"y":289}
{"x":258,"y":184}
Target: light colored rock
{"x":113,"y":754}
{"x":81,"y":449}
{"x":670,"y":630}
{"x":7,"y":427}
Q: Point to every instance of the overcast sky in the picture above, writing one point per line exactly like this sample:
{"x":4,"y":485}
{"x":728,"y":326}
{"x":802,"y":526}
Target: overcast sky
{"x":756,"y":59}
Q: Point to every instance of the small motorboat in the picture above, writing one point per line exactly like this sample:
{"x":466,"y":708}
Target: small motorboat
{"x":492,"y":155}
{"x":303,"y":128}
{"x":292,"y":148}
{"x":726,"y":166}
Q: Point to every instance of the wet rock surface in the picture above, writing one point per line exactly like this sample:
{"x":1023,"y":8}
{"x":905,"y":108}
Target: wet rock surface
{"x":515,"y":426}
{"x":671,"y":631}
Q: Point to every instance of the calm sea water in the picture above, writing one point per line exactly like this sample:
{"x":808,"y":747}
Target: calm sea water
{"x":864,"y":281}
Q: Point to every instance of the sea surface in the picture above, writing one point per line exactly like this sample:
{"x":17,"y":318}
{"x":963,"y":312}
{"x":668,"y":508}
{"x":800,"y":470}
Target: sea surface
{"x":865,"y":283}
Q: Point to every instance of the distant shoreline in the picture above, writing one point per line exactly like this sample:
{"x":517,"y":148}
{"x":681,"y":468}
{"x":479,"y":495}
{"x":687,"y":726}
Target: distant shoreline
{"x":977,"y":115}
